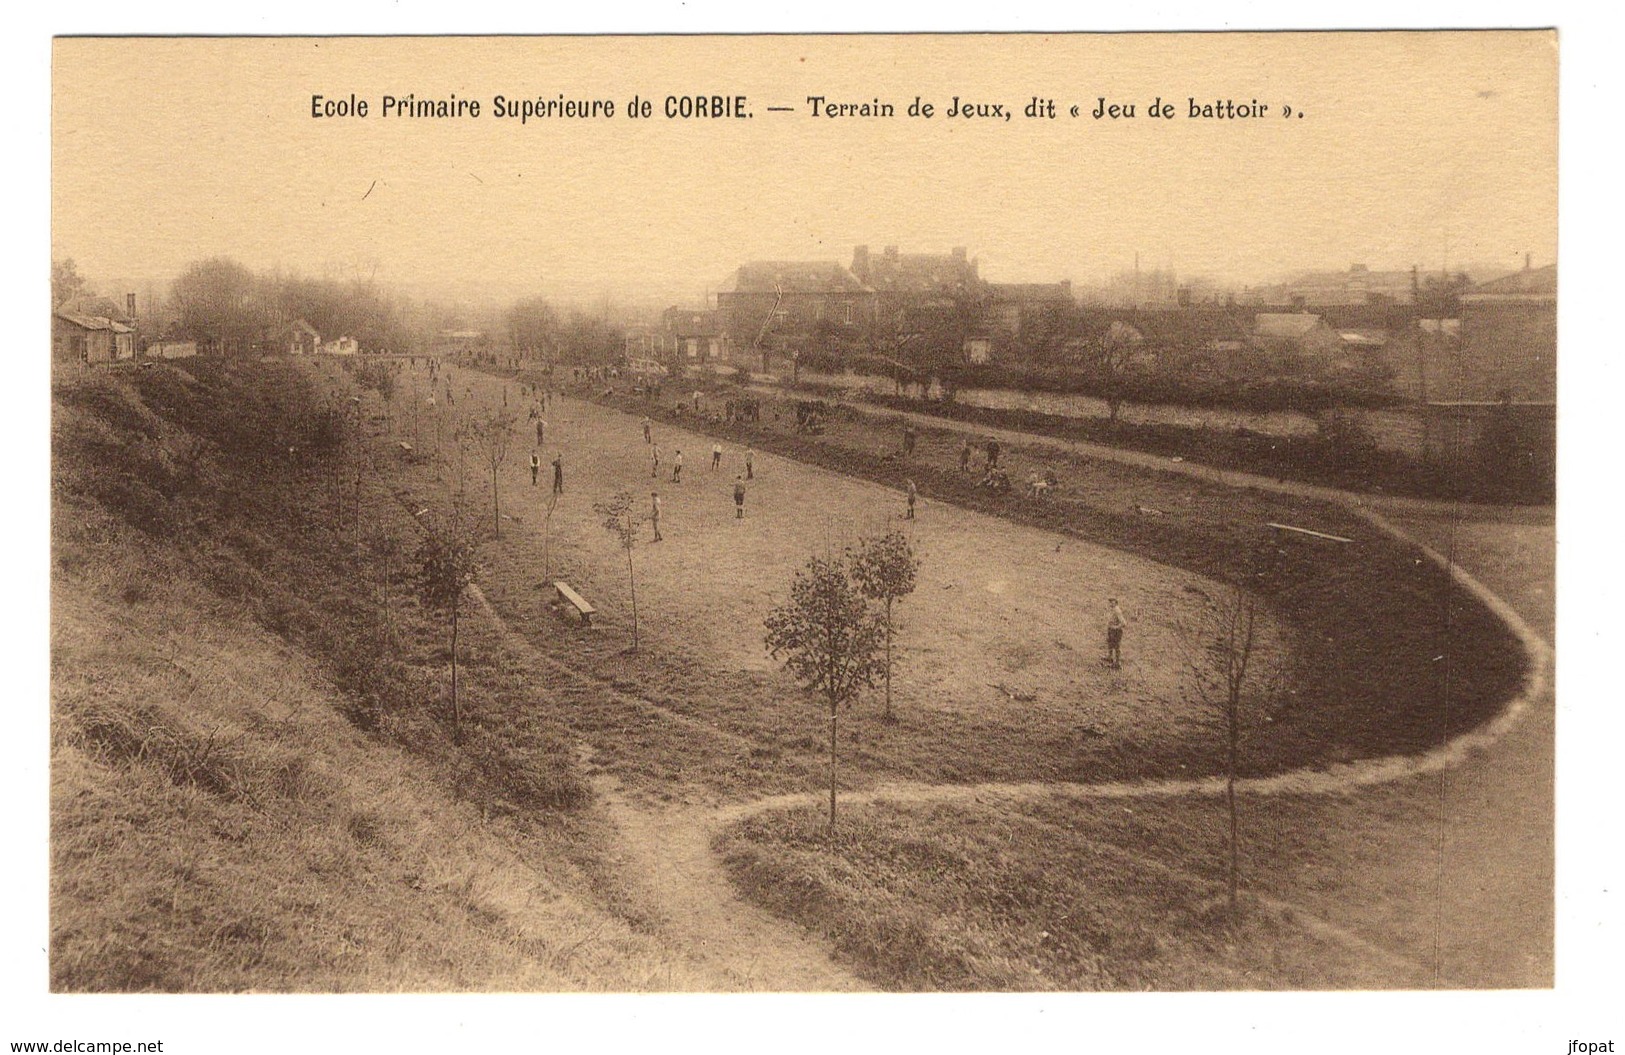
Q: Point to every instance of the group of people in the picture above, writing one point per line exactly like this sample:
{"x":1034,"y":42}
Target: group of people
{"x":1116,"y":621}
{"x":655,"y":509}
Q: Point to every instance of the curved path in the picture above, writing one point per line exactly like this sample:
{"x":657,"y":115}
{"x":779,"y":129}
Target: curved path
{"x":747,"y":948}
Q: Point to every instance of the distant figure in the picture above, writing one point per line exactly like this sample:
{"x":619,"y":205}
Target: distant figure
{"x":648,"y":435}
{"x":913,"y":496}
{"x":992,"y":454}
{"x":910,"y":437}
{"x":541,"y":432}
{"x":1115,"y":622}
{"x":654,"y":513}
{"x":716,"y":455}
{"x":558,"y":474}
{"x":964,"y":457}
{"x":739,"y":498}
{"x":750,"y":464}
{"x":535,"y":467}
{"x":677,"y":467}
{"x":654,"y":466}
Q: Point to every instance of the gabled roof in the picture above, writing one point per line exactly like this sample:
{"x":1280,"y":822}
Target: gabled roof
{"x":1536,"y":280}
{"x":796,"y":276}
{"x":1295,"y":324}
{"x":93,"y":322}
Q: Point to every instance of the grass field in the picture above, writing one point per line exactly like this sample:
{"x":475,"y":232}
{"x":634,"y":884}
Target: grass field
{"x":999,"y":661}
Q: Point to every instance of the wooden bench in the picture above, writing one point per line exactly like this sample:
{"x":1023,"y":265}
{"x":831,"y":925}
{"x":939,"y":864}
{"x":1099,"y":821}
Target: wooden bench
{"x":575,"y":600}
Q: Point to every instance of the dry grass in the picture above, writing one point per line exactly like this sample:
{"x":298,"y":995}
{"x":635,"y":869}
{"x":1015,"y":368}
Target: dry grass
{"x":245,"y":794}
{"x":1059,"y":895}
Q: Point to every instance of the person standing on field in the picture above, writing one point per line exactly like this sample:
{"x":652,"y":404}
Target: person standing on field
{"x":541,"y":432}
{"x":739,"y":498}
{"x":1115,"y":624}
{"x":558,"y":474}
{"x":716,"y":455}
{"x":750,"y":464}
{"x":677,"y":467}
{"x":913,"y":496}
{"x":964,"y":457}
{"x":535,"y":467}
{"x":654,"y":467}
{"x":648,"y":434}
{"x":654,"y":513}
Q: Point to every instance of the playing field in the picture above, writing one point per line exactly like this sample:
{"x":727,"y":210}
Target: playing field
{"x":999,"y":658}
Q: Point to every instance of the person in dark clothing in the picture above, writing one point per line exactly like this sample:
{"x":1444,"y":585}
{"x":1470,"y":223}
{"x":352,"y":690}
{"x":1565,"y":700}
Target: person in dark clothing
{"x":558,"y":474}
{"x":739,"y":498}
{"x":535,"y":467}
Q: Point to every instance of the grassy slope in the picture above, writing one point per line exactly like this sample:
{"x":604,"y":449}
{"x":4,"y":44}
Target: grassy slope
{"x":240,"y":799}
{"x":1065,"y":895}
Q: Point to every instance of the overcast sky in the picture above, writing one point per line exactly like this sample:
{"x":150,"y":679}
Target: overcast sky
{"x":1414,"y":149}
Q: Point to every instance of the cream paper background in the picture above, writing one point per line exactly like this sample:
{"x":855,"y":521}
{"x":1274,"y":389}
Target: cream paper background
{"x":171,"y":158}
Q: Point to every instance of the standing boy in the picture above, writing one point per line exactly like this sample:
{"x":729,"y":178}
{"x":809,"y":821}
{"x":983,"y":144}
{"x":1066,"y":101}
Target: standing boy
{"x":558,"y":474}
{"x":750,"y":464}
{"x":716,"y":455}
{"x":535,"y":467}
{"x":654,"y":512}
{"x":913,"y":496}
{"x":677,"y":467}
{"x":1115,"y":622}
{"x":739,"y":498}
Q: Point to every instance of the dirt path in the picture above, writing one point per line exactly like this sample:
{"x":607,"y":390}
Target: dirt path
{"x":1391,"y":504}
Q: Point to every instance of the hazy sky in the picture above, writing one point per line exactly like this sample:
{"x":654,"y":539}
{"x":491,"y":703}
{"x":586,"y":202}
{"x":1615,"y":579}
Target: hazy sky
{"x":1414,"y":148}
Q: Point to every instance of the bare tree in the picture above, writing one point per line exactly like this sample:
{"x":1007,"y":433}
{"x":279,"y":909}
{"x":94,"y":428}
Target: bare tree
{"x":622,"y":520}
{"x":493,"y":435}
{"x":1230,"y":682}
{"x":446,"y":567}
{"x":830,"y":640}
{"x":885,"y":569}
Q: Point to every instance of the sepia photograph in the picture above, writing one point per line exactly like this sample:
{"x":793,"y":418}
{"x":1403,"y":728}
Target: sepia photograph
{"x":996,"y":513}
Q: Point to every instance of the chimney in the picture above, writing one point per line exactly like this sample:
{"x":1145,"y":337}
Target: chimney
{"x":860,"y":263}
{"x":1526,"y":258}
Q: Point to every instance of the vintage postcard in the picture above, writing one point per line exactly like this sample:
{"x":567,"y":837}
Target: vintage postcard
{"x":995,"y":513}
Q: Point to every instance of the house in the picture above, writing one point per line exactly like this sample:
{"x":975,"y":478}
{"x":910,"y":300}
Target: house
{"x":788,"y":307}
{"x":692,"y":337}
{"x":89,"y":338}
{"x":1508,"y":343}
{"x":342,"y":346}
{"x":1296,"y":341}
{"x":167,"y":349}
{"x":296,"y":338}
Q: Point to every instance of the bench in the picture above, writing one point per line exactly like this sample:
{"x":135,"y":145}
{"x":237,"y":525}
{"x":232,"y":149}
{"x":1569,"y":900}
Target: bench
{"x":1311,"y":534}
{"x":575,"y":600}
